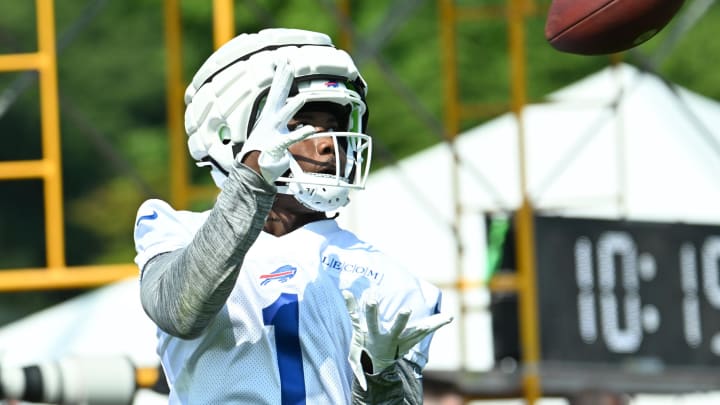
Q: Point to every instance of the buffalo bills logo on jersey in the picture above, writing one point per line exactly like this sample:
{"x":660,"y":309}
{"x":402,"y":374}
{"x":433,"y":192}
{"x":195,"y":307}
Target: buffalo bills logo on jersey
{"x":331,"y":84}
{"x":282,"y":275}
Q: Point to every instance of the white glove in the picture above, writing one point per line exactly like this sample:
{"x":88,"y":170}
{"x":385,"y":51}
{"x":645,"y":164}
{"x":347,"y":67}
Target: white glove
{"x":384,"y":347}
{"x":271,"y":136}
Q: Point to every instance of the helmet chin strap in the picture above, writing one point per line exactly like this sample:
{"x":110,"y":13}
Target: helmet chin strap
{"x":317,"y":197}
{"x":320,"y":197}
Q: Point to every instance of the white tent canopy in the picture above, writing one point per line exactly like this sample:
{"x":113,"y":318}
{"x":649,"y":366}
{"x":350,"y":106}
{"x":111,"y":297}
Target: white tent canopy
{"x":106,"y":322}
{"x":619,"y":143}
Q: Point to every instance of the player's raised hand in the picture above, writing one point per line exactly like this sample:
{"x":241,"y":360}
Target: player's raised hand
{"x":384,"y":346}
{"x":271,"y":135}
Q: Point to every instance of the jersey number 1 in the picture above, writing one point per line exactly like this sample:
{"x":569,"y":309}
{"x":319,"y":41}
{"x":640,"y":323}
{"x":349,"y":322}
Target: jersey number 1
{"x":284,"y":315}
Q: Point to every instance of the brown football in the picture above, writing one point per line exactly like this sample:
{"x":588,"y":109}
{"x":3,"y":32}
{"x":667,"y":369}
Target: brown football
{"x":596,"y":27}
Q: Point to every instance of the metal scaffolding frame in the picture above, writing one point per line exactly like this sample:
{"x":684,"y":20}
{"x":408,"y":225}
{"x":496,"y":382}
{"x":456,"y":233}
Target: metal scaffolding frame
{"x":58,"y":274}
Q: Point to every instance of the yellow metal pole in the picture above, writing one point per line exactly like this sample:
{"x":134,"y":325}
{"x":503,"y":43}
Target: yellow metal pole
{"x":449,"y":67}
{"x":64,"y":277}
{"x":24,"y":169}
{"x":223,"y":21}
{"x":146,"y":377}
{"x":345,"y":35}
{"x":50,"y":123}
{"x":451,"y":101}
{"x":19,"y":62}
{"x":524,"y":219}
{"x":527,"y":304}
{"x":223,"y":31}
{"x":179,"y":176}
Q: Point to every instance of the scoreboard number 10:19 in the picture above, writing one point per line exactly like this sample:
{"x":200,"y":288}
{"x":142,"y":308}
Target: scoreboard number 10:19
{"x":619,"y":291}
{"x":622,"y":317}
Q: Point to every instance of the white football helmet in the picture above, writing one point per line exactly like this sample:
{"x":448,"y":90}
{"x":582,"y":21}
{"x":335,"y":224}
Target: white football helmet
{"x":227,"y":93}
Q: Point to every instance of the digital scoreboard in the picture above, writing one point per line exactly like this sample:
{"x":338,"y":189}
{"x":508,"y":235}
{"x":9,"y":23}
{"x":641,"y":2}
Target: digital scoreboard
{"x":643,"y":295}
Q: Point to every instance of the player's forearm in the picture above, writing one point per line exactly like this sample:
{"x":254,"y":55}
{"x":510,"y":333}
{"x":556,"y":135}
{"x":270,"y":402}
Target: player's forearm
{"x":182,"y":291}
{"x":397,"y":384}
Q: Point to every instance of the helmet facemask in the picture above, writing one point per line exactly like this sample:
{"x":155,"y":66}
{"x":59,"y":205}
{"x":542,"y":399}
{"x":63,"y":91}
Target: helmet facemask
{"x":353,"y":149}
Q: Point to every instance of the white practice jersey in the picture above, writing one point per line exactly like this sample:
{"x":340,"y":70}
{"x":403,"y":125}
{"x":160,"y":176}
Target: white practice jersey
{"x":284,"y":334}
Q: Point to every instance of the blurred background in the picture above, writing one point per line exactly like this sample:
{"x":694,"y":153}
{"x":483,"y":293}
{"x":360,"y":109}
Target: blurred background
{"x":564,"y":203}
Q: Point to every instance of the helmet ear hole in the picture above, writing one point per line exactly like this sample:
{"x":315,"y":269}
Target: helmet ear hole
{"x":224,"y":134}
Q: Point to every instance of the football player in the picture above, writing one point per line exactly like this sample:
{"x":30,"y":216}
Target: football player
{"x":264,"y":299}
